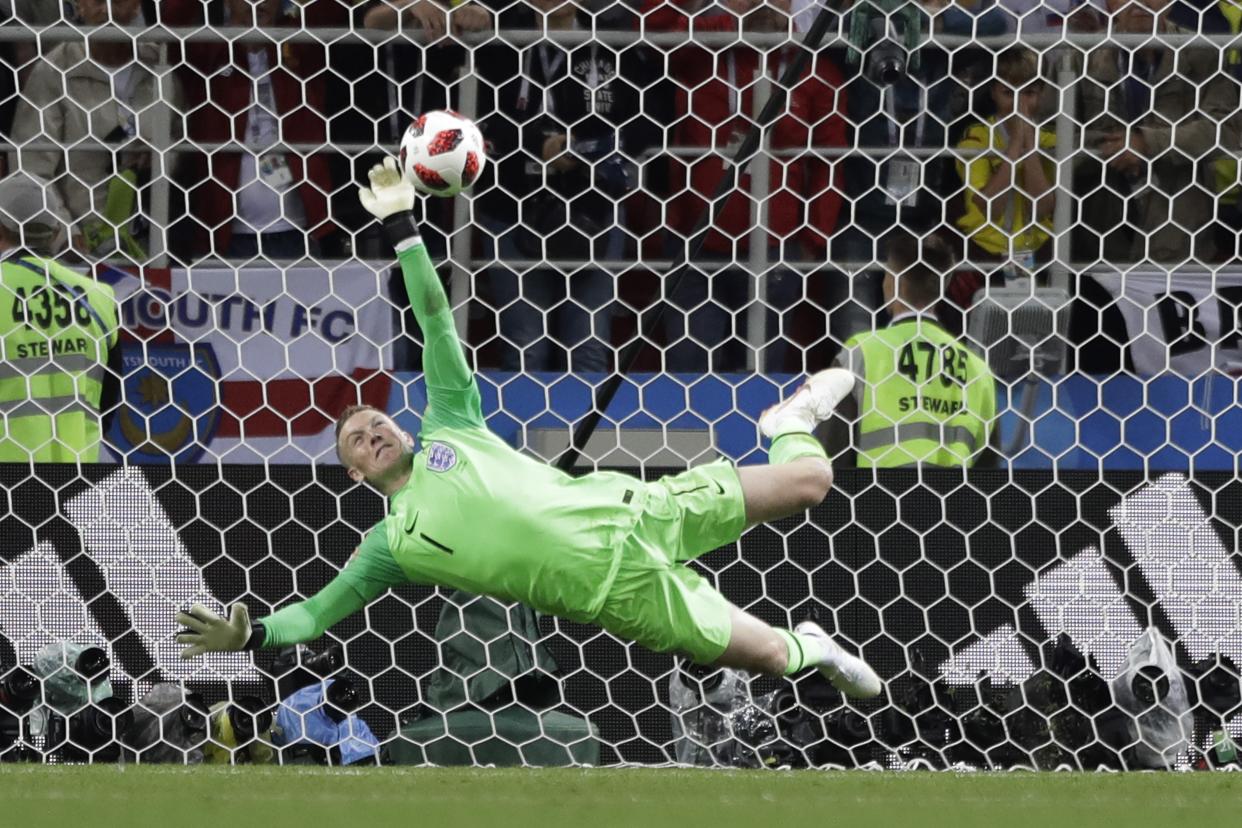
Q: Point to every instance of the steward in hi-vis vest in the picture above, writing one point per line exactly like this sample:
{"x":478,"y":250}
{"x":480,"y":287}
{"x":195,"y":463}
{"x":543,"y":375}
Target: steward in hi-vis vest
{"x":923,"y":396}
{"x":58,"y":335}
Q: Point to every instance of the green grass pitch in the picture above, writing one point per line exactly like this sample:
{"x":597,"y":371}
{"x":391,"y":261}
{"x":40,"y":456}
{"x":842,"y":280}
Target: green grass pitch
{"x":133,"y":796}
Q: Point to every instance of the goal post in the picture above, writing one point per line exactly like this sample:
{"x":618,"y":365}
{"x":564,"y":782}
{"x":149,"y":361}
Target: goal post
{"x":688,"y":207}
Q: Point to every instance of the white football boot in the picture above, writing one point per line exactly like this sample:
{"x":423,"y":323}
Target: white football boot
{"x":809,"y":406}
{"x":848,"y":673}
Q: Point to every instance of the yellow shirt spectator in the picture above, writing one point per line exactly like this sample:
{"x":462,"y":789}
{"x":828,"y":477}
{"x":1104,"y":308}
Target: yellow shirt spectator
{"x":1013,"y":224}
{"x":1010,"y":173}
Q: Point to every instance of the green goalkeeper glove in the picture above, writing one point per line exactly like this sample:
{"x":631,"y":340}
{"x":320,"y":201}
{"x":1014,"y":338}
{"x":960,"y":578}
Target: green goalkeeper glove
{"x":207,"y":632}
{"x":390,"y":198}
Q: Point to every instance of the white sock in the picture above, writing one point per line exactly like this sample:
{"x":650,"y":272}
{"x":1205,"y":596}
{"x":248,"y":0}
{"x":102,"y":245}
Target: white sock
{"x":804,"y":651}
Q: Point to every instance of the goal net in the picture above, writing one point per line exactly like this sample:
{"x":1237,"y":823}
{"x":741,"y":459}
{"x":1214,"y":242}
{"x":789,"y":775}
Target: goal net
{"x":1076,"y":604}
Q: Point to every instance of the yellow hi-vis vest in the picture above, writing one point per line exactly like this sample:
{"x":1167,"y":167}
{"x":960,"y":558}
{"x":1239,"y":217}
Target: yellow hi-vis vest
{"x":923,"y":397}
{"x":56,"y":329}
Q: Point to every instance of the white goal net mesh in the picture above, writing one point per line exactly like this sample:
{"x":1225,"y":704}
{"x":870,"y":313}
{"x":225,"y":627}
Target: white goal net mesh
{"x":1076,"y":604}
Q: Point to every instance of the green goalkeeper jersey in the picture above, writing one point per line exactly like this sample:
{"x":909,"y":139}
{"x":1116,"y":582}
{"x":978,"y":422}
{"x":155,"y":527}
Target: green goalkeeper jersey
{"x":475,"y":514}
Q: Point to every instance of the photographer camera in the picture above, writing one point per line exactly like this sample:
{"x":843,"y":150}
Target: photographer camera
{"x":169,"y":726}
{"x":80,"y":720}
{"x":1216,"y":699}
{"x":299,"y":666}
{"x":19,"y":692}
{"x":241,"y":733}
{"x":317,"y":724}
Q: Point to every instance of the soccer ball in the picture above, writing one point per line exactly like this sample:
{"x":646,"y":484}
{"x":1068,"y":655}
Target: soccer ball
{"x":442,"y":153}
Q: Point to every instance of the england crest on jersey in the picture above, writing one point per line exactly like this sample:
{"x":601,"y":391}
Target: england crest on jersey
{"x":440,"y":458}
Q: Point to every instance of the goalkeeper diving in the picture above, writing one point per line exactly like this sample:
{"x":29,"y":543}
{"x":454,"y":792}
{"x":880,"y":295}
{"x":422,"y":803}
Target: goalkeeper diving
{"x":469,"y":512}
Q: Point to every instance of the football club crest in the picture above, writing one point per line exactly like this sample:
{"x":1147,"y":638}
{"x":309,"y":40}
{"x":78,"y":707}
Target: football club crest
{"x":440,"y":458}
{"x":171,"y":406}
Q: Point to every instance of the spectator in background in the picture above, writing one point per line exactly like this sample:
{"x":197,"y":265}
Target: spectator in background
{"x":891,"y":184}
{"x":923,"y":397}
{"x":40,"y":12}
{"x":1227,"y":17}
{"x":1152,"y":117}
{"x":715,"y":100}
{"x":16,"y":56}
{"x":60,"y":364}
{"x":263,"y":201}
{"x":392,"y":82}
{"x":1039,"y":16}
{"x":435,"y":19}
{"x":10,"y":61}
{"x":405,"y":84}
{"x":1010,"y":173}
{"x":100,"y":91}
{"x":576,"y":108}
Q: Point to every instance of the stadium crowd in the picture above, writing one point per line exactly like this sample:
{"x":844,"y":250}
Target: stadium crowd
{"x":607,"y":150}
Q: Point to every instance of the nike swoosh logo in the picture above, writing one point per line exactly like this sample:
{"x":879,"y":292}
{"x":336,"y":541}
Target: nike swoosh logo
{"x":446,"y":550}
{"x":409,"y":530}
{"x":719,"y":487}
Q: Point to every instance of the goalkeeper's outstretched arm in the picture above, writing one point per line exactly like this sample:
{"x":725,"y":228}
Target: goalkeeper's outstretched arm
{"x":205,"y":632}
{"x":444,"y":361}
{"x":372,"y":571}
{"x":452,"y":395}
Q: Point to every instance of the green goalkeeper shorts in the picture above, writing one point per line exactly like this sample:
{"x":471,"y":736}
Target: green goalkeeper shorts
{"x":655,"y":599}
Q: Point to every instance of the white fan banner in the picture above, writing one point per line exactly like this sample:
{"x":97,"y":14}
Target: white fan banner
{"x":248,"y":365}
{"x":1188,"y":324}
{"x":267,"y":323}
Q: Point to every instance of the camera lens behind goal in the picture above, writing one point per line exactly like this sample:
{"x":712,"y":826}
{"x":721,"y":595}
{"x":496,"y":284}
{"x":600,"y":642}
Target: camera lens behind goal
{"x":193,"y":713}
{"x":92,"y":664}
{"x":99,"y":724}
{"x":326,"y":663}
{"x":886,"y":64}
{"x":248,"y":716}
{"x":342,"y":698}
{"x":1150,"y":685}
{"x":19,"y":690}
